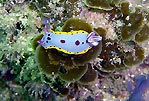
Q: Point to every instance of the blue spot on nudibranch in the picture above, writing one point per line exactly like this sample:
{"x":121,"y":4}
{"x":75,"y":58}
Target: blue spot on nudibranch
{"x":70,"y":42}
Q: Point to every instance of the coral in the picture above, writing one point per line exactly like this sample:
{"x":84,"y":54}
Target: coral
{"x":134,"y":57}
{"x":66,"y":65}
{"x":127,"y":33}
{"x":44,"y":7}
{"x":100,"y":22}
{"x":143,"y":35}
{"x":76,"y":24}
{"x":117,"y":46}
{"x":105,"y":5}
{"x":74,"y":74}
{"x":58,"y":11}
{"x":132,"y":25}
{"x":30,"y":72}
{"x":112,"y":56}
{"x":100,"y":4}
{"x":44,"y":62}
{"x":38,"y":90}
{"x":17,"y":61}
{"x":125,"y":8}
{"x":34,"y":41}
{"x":89,"y":77}
{"x":141,"y":86}
{"x":16,"y":36}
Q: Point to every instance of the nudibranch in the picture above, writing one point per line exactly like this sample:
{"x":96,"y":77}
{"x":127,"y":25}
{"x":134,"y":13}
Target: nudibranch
{"x":74,"y":42}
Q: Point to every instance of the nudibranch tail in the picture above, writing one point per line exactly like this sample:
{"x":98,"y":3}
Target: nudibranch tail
{"x":93,"y":40}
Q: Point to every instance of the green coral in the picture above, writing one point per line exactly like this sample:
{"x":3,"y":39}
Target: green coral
{"x":69,"y":68}
{"x":74,"y":74}
{"x":17,"y":58}
{"x":99,"y":4}
{"x":58,"y":11}
{"x":44,"y":62}
{"x":143,"y":34}
{"x":89,"y":77}
{"x":76,"y":24}
{"x":133,"y":25}
{"x":132,"y":32}
{"x":134,"y":58}
{"x":102,"y":4}
{"x":28,"y":71}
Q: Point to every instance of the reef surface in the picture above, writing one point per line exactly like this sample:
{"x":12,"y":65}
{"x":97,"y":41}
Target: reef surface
{"x":106,"y":59}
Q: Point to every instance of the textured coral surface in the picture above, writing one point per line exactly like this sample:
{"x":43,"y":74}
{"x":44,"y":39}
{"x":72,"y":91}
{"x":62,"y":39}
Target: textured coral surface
{"x":117,"y":69}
